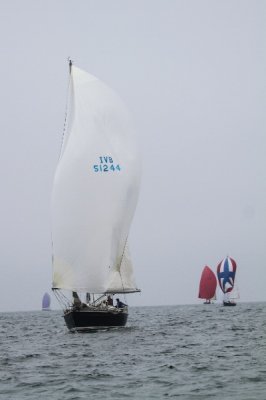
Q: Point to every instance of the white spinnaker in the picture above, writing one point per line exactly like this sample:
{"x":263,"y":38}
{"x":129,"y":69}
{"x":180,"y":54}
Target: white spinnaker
{"x":93,"y":205}
{"x":122,"y":276}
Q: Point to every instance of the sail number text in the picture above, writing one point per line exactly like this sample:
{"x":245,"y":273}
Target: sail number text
{"x":106,"y":164}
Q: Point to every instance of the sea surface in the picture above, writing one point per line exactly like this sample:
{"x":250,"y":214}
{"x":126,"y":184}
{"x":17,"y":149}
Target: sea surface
{"x":185,"y":352}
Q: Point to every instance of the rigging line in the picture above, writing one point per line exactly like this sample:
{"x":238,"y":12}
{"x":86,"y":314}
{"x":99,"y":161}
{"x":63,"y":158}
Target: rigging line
{"x":52,"y":248}
{"x":70,"y":63}
{"x":61,"y":298}
{"x":120,"y":267}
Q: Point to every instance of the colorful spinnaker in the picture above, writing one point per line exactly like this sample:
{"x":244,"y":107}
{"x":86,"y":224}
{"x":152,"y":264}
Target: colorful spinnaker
{"x":226,"y":271}
{"x":208,"y":284}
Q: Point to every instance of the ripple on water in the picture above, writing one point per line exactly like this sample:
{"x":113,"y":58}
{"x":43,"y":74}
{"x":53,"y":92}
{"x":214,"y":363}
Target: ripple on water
{"x":181,"y":352}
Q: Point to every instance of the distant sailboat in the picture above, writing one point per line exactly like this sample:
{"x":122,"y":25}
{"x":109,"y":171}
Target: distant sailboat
{"x":46,"y":302}
{"x":208,"y":284}
{"x":226,"y":271}
{"x":94,"y":197}
{"x":234,"y":294}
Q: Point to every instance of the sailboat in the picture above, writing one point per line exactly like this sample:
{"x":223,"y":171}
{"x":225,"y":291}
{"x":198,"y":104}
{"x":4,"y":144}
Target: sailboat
{"x":46,"y":302}
{"x":208,"y":284}
{"x":226,"y":271}
{"x":95,"y":192}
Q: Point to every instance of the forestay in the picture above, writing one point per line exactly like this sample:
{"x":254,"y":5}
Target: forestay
{"x":95,"y":191}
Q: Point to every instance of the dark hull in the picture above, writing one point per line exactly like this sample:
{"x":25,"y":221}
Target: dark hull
{"x":229,"y":304}
{"x":83,"y":320}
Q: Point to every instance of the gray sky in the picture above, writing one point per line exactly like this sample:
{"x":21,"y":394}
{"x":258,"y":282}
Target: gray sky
{"x":192,"y":74}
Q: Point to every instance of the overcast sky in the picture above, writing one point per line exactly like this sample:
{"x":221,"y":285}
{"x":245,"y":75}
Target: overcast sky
{"x":192,"y":74}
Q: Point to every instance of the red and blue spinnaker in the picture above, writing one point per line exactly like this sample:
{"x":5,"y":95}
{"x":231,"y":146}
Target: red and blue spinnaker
{"x":226,"y":271}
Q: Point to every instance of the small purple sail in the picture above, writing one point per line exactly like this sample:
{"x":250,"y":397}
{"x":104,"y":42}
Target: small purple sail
{"x":46,"y":301}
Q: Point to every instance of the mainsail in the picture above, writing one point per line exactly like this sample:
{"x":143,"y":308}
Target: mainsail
{"x":208,"y":284}
{"x":95,"y":192}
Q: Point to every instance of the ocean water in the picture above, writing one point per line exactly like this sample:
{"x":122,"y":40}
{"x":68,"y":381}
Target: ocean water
{"x":184,"y":352}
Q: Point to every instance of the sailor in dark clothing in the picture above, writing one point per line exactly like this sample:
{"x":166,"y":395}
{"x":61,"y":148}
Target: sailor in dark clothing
{"x":76,"y":300}
{"x":110,"y":301}
{"x":119,"y":304}
{"x":77,"y":303}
